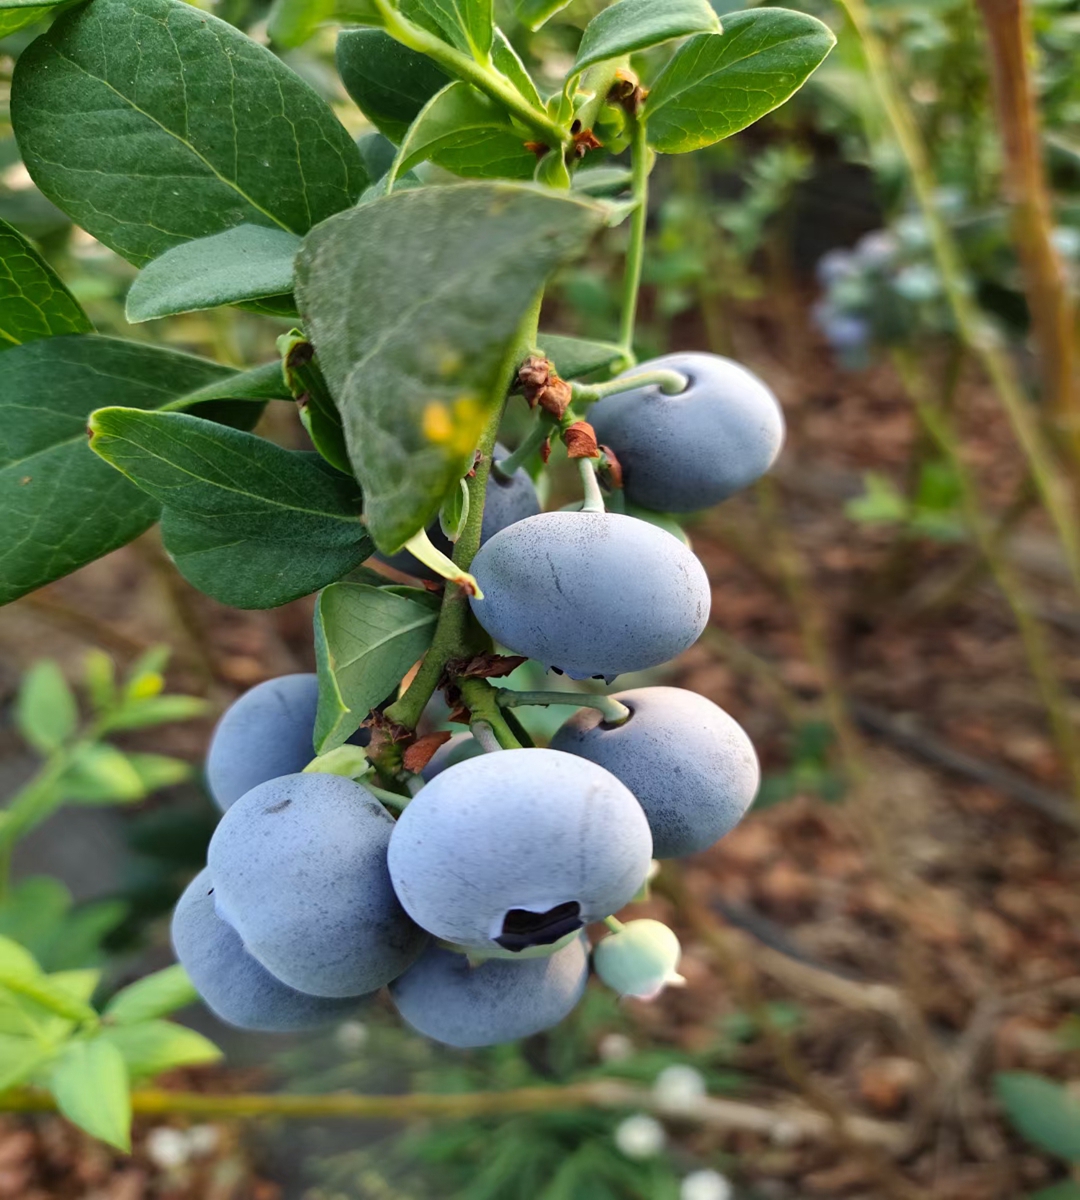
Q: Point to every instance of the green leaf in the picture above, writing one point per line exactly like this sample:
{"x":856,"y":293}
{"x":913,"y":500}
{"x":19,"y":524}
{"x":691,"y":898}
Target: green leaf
{"x":467,"y":24}
{"x":292,"y":22}
{"x":244,"y":263}
{"x":33,"y":301}
{"x":90,"y":1083}
{"x":17,"y":14}
{"x":637,"y":24}
{"x":389,"y":82}
{"x":1043,"y":1111}
{"x":317,"y":412}
{"x":718,"y":83}
{"x":507,"y":60}
{"x":101,"y":774}
{"x":157,"y":771}
{"x":46,"y":714}
{"x":20,"y":974}
{"x":535,"y":13}
{"x":80,"y":982}
{"x":465,"y":132}
{"x":156,"y":995}
{"x":19,"y":1056}
{"x":151,"y":1047}
{"x":574,"y":357}
{"x":62,"y":505}
{"x":151,"y":123}
{"x":413,"y":303}
{"x":157,"y":710}
{"x":365,"y":641}
{"x":248,"y":522}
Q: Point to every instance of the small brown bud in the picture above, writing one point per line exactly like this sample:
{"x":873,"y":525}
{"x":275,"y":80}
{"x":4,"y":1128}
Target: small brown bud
{"x":585,"y":141}
{"x":545,"y":451}
{"x":555,"y":397}
{"x":580,"y":439}
{"x":537,"y":148}
{"x":610,"y":468}
{"x":420,"y":753}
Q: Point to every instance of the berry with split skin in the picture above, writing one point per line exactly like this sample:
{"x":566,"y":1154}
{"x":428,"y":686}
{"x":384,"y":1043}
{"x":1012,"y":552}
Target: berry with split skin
{"x":299,"y":870}
{"x":232,"y":984}
{"x":592,"y":594}
{"x":517,"y":849}
{"x":684,"y":452}
{"x":691,"y":765}
{"x":446,"y":998}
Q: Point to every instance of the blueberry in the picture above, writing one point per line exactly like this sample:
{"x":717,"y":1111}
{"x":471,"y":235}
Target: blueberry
{"x":505,"y":501}
{"x":231,"y":983}
{"x":266,"y":733}
{"x":443,"y":997}
{"x":518,"y":848}
{"x":460,"y":747}
{"x":591,"y":593}
{"x":690,"y":765}
{"x":640,"y":959}
{"x":685,"y":452}
{"x":299,"y":869}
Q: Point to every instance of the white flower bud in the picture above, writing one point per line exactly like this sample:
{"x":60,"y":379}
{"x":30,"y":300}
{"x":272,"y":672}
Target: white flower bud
{"x":705,"y":1185}
{"x":679,"y":1086}
{"x":640,"y":1136}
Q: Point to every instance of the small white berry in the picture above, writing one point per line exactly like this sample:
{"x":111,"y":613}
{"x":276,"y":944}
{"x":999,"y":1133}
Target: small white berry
{"x":705,"y":1185}
{"x":351,"y":1036}
{"x":167,"y":1148}
{"x":640,"y":1136}
{"x":679,"y":1086}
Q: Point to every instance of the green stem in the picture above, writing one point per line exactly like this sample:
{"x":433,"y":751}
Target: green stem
{"x":613,"y":711}
{"x":614,"y":924}
{"x":482,"y":700}
{"x":671,"y":383}
{"x":456,"y":636}
{"x":481,"y":76}
{"x":635,"y":254}
{"x":532,"y":442}
{"x":594,"y":498}
{"x":485,"y":735}
{"x":390,"y":799}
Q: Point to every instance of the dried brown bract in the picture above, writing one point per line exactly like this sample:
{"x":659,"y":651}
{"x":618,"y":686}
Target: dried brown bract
{"x":420,"y":753}
{"x":580,"y":439}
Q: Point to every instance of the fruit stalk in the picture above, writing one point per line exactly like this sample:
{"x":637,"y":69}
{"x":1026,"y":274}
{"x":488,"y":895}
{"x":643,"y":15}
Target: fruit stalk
{"x":635,"y":253}
{"x":613,"y":711}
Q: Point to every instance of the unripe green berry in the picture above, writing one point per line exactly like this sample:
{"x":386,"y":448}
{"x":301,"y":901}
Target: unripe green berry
{"x":640,"y":959}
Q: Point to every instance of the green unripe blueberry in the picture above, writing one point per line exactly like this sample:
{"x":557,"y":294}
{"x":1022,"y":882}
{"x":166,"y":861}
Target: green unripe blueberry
{"x":640,"y":959}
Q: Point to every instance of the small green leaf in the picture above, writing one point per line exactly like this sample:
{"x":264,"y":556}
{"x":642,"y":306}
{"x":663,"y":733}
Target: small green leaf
{"x":350,"y":762}
{"x":535,"y":13}
{"x":467,"y":24}
{"x":637,"y":24}
{"x":46,"y":713}
{"x":1043,"y":1111}
{"x":155,"y":995}
{"x":317,"y":412}
{"x":718,"y":83}
{"x":34,"y":303}
{"x":157,"y":771}
{"x":151,"y":1047}
{"x":507,"y":60}
{"x":141,"y":713}
{"x":90,"y":1083}
{"x":248,"y":522}
{"x":19,"y":1056}
{"x":101,"y":774}
{"x":365,"y":641}
{"x":81,"y":983}
{"x":245,"y":263}
{"x":293,"y":22}
{"x":575,"y":357}
{"x":19,"y":973}
{"x":389,"y":82}
{"x":465,"y":132}
{"x":17,"y":14}
{"x":882,"y":503}
{"x":455,"y":512}
{"x":99,"y":676}
{"x":151,"y":123}
{"x":463,"y":263}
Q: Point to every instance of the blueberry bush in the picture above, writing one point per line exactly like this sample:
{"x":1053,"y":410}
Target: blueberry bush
{"x":408,"y":269}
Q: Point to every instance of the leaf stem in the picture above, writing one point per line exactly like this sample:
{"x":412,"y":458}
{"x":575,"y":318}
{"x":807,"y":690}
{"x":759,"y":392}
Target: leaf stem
{"x":671,"y":383}
{"x":486,"y":78}
{"x":614,"y":712}
{"x":530,"y":444}
{"x":635,"y":254}
{"x":594,"y":498}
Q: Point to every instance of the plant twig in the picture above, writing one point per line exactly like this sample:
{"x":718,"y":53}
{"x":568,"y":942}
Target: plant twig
{"x":614,"y":713}
{"x":635,"y":254}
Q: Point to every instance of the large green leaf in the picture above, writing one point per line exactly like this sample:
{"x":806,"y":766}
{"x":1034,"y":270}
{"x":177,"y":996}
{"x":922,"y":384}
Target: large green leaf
{"x":151,"y":123}
{"x":389,"y":82}
{"x":413,"y":303}
{"x":63,"y":506}
{"x":90,"y":1083}
{"x":33,"y":301}
{"x":466,"y":24}
{"x":366,"y":638}
{"x":718,"y":83}
{"x":248,"y":522}
{"x":637,"y":24}
{"x":465,"y":132}
{"x":1043,"y":1111}
{"x":17,"y":14}
{"x":245,"y":263}
{"x":574,"y":357}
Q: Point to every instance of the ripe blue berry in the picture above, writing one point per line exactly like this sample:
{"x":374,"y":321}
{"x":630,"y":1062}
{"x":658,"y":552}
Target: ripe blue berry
{"x":516,"y":849}
{"x":443,"y":997}
{"x":505,"y":501}
{"x":299,"y":869}
{"x":591,"y":593}
{"x":685,"y":452}
{"x":231,"y":983}
{"x":690,"y":765}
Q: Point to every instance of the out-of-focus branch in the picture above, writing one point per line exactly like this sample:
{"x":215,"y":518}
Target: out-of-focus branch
{"x":1053,"y":314}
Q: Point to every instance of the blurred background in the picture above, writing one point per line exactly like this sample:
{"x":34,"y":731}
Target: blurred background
{"x":883,"y":960}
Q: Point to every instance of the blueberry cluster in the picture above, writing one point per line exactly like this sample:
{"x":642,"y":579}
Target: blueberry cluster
{"x":470,"y":903}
